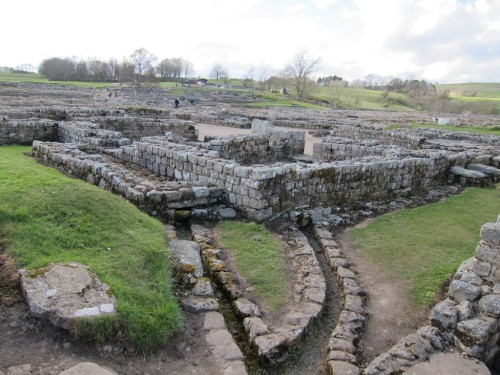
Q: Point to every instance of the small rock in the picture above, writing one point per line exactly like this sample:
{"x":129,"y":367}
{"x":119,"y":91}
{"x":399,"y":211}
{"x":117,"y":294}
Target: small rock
{"x":245,"y":308}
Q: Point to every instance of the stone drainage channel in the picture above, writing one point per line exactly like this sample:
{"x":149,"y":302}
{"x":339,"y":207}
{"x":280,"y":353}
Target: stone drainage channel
{"x":306,"y":357}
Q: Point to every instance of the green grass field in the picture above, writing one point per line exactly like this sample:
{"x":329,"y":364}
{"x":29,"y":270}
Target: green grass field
{"x":482,"y":90}
{"x":259,"y":258}
{"x":421,"y":247}
{"x":46,"y":217}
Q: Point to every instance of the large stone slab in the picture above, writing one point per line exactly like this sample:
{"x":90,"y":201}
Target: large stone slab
{"x":87,"y":368}
{"x":187,"y":257}
{"x":63,"y":293}
{"x":448,"y":363}
{"x":223,"y":345}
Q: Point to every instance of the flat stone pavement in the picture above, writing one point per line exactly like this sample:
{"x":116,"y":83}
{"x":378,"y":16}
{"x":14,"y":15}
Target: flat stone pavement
{"x":447,"y":364}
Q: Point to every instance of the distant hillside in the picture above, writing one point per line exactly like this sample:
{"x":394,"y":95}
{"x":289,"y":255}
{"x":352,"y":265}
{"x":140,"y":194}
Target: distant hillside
{"x":474,"y":97}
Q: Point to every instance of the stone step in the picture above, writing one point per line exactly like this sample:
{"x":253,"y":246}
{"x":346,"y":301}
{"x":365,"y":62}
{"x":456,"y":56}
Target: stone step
{"x":484,"y":169}
{"x":467,"y":173}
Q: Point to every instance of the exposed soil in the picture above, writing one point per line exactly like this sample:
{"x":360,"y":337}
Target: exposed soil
{"x":390,"y":315}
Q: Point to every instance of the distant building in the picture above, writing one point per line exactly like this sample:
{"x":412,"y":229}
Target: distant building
{"x":443,"y":120}
{"x":199,"y":81}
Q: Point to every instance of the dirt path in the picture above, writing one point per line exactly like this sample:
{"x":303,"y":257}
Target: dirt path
{"x":218,"y":131}
{"x":391,"y":316}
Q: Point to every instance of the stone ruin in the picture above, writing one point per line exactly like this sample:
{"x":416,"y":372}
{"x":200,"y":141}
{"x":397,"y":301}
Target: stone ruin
{"x":153,"y":158}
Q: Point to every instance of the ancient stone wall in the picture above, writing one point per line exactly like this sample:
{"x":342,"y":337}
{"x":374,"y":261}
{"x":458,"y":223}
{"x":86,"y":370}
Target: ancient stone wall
{"x":90,"y":134}
{"x":24,"y":132}
{"x":333,"y":149}
{"x":155,"y":196}
{"x":264,"y":191}
{"x":267,"y":147}
{"x":467,"y":320}
{"x":137,"y":127}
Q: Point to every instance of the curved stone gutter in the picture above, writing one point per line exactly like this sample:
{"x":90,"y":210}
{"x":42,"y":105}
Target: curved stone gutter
{"x":271,"y":343}
{"x":341,"y":356}
{"x":467,"y":321}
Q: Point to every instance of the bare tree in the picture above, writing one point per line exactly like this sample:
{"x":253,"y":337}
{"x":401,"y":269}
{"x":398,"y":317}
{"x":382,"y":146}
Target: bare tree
{"x":187,"y":68}
{"x":248,"y":80}
{"x":218,"y":71}
{"x":336,"y":88}
{"x":143,"y":61}
{"x":299,"y":71}
{"x":170,"y":69}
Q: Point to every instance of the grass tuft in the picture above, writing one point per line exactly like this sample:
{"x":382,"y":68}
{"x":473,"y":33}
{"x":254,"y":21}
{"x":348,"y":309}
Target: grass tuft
{"x":259,"y":258}
{"x":46,"y":217}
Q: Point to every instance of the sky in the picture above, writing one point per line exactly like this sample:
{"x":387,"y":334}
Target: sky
{"x":444,"y":41}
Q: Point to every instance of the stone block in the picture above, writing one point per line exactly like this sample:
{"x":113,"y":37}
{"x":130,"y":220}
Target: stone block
{"x":490,"y":305}
{"x":474,"y":331}
{"x":460,"y":291}
{"x":63,"y":293}
{"x":342,"y":368}
{"x":223,"y":345}
{"x":490,"y":233}
{"x":444,"y":315}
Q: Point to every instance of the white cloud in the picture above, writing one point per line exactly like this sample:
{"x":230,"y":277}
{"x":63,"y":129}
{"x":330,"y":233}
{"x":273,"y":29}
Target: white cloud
{"x":324,"y":4}
{"x":444,"y":40}
{"x":294,"y":8}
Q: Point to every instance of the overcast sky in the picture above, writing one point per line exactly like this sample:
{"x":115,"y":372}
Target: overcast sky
{"x":441,"y":41}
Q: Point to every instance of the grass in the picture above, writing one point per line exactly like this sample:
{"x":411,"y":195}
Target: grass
{"x":481,"y":89}
{"x":259,"y":258}
{"x":421,"y":247}
{"x":46,"y":217}
{"x":492,"y":130}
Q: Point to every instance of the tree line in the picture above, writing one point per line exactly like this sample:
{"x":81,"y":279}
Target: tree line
{"x":140,"y":66}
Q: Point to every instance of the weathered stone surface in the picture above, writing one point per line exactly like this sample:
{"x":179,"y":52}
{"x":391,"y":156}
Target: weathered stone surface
{"x":341,"y":344}
{"x":490,"y":305}
{"x":316,"y":295}
{"x":213,"y":320}
{"x":355,"y":303}
{"x":20,"y":370}
{"x":486,"y":169}
{"x":203,"y":288}
{"x":223,"y":345}
{"x":465,"y":310}
{"x":255,"y":327}
{"x":490,"y":232}
{"x":187,"y":257}
{"x":345,"y":273}
{"x":351,"y":286}
{"x":200,"y":304}
{"x":338,"y":355}
{"x":444,"y":315}
{"x":270,"y":346}
{"x":235,"y":368}
{"x":467,"y":173}
{"x":434,"y":336}
{"x":87,"y":368}
{"x":342,"y":368}
{"x":245,"y":308}
{"x":227,"y":213}
{"x":62,"y":293}
{"x":474,"y":331}
{"x":447,"y":364}
{"x":462,"y":291}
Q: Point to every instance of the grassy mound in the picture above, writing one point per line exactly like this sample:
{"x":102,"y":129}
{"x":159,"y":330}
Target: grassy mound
{"x":423,"y":246}
{"x":46,"y":217}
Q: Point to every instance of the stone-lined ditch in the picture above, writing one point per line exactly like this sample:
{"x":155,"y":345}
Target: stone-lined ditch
{"x":304,"y":353}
